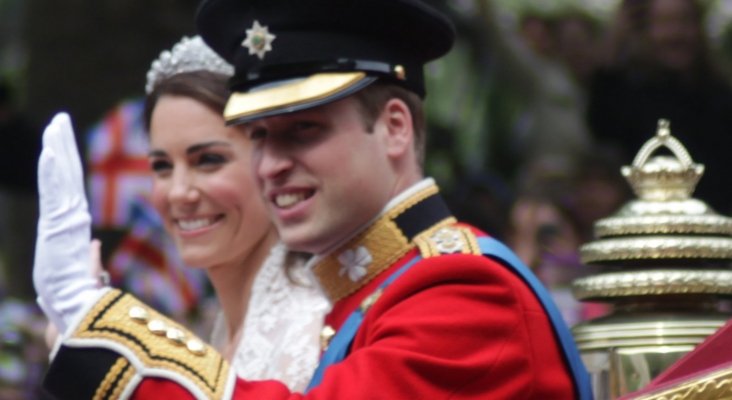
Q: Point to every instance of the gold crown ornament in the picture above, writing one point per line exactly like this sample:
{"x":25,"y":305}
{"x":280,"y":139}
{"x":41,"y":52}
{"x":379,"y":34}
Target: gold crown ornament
{"x":666,"y":271}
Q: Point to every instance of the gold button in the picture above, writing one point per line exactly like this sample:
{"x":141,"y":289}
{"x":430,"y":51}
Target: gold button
{"x":157,"y":327}
{"x":326,"y":334}
{"x":139,"y":314}
{"x":176,"y":336}
{"x":196,"y":347}
{"x":370,"y":300}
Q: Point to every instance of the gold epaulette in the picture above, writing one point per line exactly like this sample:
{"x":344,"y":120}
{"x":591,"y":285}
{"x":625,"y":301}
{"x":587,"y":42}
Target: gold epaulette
{"x":447,"y":240}
{"x":148,"y":345}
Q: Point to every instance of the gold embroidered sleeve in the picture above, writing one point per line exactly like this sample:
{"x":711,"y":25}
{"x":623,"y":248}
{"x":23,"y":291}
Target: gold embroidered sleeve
{"x":123,"y":341}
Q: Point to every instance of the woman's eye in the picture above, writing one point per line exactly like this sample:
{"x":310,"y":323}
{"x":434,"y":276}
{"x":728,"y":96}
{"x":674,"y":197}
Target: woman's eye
{"x":159,"y":166}
{"x":211,"y":159}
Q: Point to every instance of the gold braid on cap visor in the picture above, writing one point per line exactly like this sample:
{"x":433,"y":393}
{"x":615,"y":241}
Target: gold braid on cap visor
{"x":311,"y":89}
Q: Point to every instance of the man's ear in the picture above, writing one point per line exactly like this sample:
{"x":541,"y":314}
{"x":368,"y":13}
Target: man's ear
{"x":399,"y":128}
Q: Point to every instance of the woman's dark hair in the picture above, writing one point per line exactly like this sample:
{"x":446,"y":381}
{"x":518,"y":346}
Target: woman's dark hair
{"x":207,"y":87}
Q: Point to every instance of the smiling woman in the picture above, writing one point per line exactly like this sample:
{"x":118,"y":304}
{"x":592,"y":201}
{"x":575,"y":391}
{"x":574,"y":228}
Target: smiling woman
{"x":202,"y":186}
{"x":205,"y":192}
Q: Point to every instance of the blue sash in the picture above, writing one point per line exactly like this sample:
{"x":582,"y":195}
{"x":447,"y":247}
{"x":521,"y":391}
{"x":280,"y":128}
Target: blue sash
{"x":341,"y":342}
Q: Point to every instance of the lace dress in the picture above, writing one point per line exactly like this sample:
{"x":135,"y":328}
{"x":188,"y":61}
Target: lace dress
{"x":281,"y":335}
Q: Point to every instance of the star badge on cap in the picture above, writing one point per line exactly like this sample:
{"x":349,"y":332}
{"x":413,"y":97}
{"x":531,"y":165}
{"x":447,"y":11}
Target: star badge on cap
{"x":258,"y":40}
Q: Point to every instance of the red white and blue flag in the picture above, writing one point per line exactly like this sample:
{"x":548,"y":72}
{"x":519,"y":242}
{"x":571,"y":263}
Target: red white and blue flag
{"x":117,"y":150}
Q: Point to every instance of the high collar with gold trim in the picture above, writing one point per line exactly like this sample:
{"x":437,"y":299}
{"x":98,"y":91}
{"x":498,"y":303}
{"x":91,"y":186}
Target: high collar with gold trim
{"x":357,"y":261}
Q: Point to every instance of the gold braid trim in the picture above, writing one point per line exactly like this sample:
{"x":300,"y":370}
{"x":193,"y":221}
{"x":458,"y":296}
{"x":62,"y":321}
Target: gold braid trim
{"x":157,"y":342}
{"x":124,"y":380}
{"x":385,"y":242}
{"x":713,"y":386}
{"x":115,"y":381}
{"x":411,"y":201}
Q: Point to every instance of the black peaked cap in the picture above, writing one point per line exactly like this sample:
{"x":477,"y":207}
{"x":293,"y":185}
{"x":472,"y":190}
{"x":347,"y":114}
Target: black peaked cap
{"x":385,"y":39}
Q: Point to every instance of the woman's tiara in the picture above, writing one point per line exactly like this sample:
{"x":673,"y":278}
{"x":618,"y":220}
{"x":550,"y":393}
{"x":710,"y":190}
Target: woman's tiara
{"x":188,"y":55}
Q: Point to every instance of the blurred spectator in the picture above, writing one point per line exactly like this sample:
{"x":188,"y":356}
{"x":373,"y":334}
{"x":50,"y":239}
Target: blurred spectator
{"x":599,"y":189}
{"x":23,"y":353}
{"x":577,"y":36}
{"x":18,"y":155}
{"x":554,"y":214}
{"x":456,"y":105}
{"x":659,"y":65}
{"x":483,"y":200}
{"x":541,"y":216}
{"x":541,"y":226}
{"x":542,"y":102}
{"x":21,"y":146}
{"x":544,"y":234}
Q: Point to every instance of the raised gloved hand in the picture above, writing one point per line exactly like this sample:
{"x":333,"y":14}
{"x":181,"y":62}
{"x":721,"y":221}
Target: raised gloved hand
{"x":102,"y":277}
{"x":62,"y":274}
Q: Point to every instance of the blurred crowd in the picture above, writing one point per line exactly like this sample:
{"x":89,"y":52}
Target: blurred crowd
{"x":530,"y":143}
{"x":532,"y":116}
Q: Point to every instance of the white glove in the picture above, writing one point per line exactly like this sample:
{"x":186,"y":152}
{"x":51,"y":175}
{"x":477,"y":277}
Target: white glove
{"x":95,"y":259}
{"x":62,"y":272}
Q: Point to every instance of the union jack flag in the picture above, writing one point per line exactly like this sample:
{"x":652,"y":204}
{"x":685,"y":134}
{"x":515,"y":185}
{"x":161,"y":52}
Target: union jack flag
{"x":117,"y":150}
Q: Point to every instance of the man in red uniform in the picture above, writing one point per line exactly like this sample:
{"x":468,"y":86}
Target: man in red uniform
{"x":423,"y":307}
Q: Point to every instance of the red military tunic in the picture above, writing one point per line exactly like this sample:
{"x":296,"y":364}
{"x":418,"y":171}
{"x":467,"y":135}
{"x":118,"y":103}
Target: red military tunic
{"x":454,"y":326}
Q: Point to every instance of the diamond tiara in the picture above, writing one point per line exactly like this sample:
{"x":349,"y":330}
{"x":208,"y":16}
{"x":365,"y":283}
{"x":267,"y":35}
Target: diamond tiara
{"x":188,"y":55}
